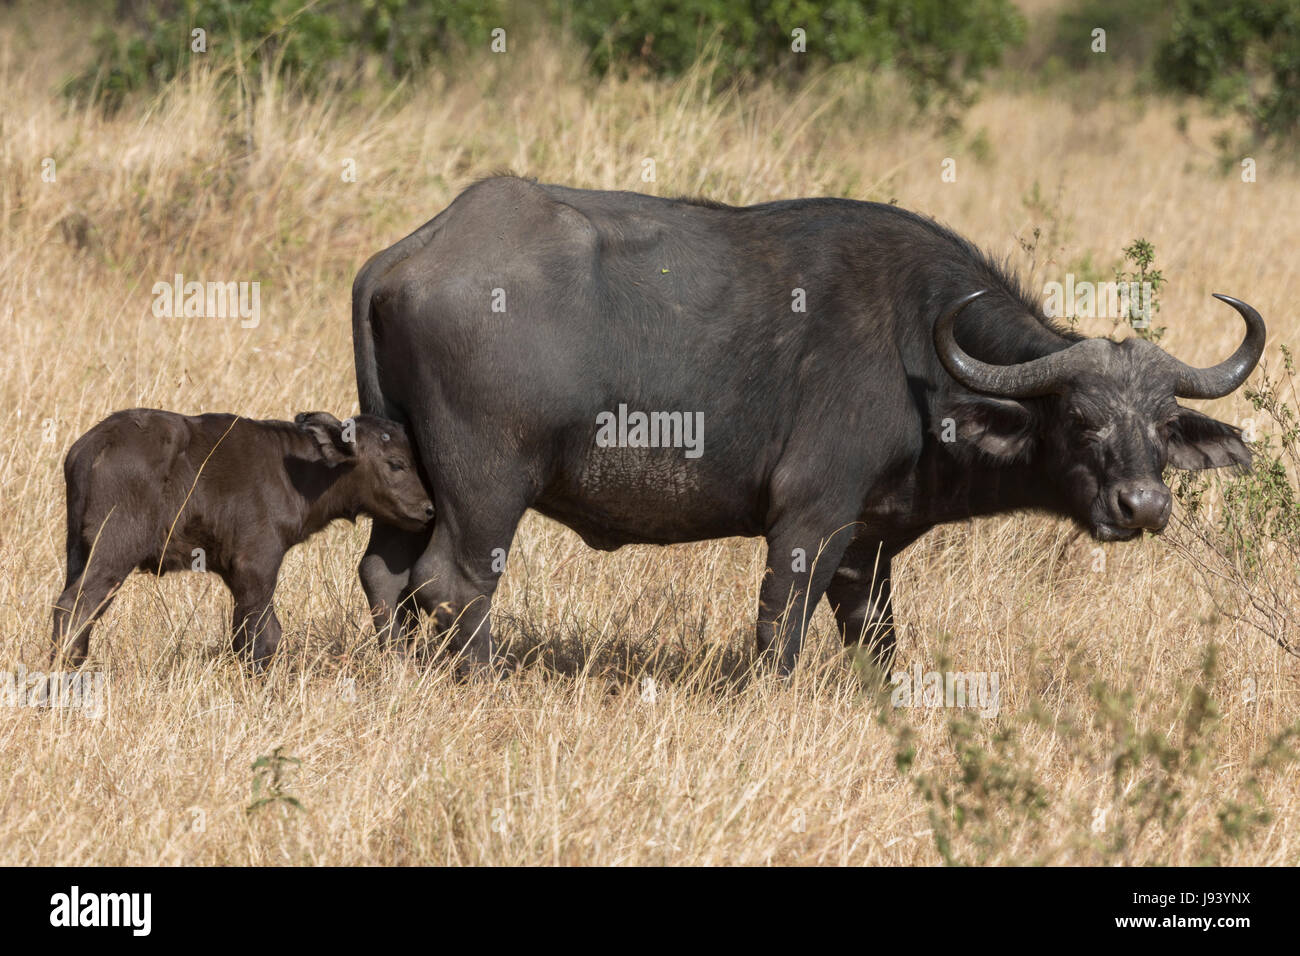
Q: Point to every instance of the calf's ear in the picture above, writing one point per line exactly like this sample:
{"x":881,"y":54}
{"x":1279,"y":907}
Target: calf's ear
{"x":327,"y":431}
{"x":1197,"y":442}
{"x":1000,"y":430}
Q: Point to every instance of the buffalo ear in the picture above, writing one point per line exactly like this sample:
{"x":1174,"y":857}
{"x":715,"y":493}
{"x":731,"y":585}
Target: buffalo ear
{"x":1001,"y":430}
{"x":327,"y":431}
{"x":1198,"y":441}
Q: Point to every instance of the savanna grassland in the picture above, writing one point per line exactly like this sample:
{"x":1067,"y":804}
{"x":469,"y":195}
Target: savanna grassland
{"x":1140,"y":720}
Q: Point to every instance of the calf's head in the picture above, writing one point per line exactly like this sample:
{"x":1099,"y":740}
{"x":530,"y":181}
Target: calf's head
{"x":381,"y":472}
{"x":1101,"y":419}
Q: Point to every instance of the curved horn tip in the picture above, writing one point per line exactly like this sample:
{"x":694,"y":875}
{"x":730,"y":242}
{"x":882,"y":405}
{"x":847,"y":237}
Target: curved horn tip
{"x":1238,"y":304}
{"x":950,"y":316}
{"x":1218,"y":380}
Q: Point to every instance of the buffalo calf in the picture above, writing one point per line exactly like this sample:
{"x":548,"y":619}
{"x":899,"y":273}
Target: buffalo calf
{"x":157,"y":491}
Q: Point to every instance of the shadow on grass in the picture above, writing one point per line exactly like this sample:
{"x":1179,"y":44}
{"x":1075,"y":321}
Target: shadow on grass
{"x":671,"y":650}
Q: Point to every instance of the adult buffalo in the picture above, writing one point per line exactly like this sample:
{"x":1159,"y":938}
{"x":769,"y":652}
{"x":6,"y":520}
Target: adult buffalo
{"x":836,"y":376}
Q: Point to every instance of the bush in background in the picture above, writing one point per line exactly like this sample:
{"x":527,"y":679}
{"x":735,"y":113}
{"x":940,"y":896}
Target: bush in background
{"x":1243,"y":55}
{"x":940,"y":47}
{"x":1135,"y":29}
{"x":152,"y":40}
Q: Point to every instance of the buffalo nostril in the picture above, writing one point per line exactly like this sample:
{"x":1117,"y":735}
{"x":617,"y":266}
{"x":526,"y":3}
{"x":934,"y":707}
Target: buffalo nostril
{"x":1142,"y":506}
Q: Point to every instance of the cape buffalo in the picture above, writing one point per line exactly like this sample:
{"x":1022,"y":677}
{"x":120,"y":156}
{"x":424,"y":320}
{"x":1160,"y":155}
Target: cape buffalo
{"x":857,"y":374}
{"x":157,"y":491}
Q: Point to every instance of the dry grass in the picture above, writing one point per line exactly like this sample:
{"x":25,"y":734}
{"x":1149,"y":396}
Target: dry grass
{"x":570,"y":762}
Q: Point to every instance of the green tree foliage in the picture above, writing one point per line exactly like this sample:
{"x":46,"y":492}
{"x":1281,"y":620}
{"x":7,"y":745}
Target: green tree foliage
{"x":1134,"y":31}
{"x":939,"y":46}
{"x":1241,"y":54}
{"x":154,"y":40}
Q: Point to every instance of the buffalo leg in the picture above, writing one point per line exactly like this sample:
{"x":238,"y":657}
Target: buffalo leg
{"x":385,"y":573}
{"x":860,"y":595}
{"x":799,"y":566}
{"x":255,"y":630}
{"x":267,"y":640}
{"x":456,"y":576}
{"x":83,"y":602}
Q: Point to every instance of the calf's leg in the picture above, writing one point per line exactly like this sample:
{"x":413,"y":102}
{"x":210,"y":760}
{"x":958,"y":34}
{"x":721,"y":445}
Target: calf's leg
{"x":84,"y":600}
{"x":266,"y":628}
{"x":255,"y":630}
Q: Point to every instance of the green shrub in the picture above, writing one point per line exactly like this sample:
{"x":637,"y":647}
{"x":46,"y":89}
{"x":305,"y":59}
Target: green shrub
{"x":1134,"y":31}
{"x":1244,"y":541}
{"x":939,"y":46}
{"x":1243,"y":55}
{"x":311,"y":42}
{"x":1153,"y":760}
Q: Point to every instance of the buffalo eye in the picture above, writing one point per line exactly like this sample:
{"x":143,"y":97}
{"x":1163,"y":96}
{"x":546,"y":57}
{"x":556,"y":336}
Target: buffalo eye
{"x":395,"y":465}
